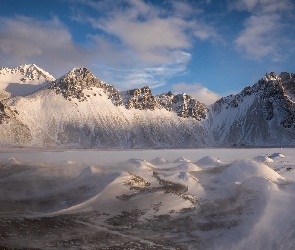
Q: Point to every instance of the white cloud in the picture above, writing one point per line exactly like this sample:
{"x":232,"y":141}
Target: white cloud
{"x":135,"y":36}
{"x":150,"y":32}
{"x":264,"y":33}
{"x":47,"y":43}
{"x":197,"y":91}
{"x":259,"y":38}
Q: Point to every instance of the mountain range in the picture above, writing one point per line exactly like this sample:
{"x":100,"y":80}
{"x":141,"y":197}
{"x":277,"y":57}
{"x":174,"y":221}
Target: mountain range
{"x":78,"y":110}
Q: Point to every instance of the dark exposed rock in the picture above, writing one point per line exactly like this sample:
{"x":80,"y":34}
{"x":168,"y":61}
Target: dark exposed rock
{"x":4,"y":118}
{"x":183,"y":105}
{"x":141,"y":99}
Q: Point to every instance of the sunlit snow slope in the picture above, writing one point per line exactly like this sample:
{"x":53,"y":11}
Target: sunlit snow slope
{"x":79,"y":110}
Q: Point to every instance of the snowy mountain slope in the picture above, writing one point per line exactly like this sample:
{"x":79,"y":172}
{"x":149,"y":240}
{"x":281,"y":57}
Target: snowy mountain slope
{"x":79,"y":110}
{"x":263,"y":114}
{"x":24,"y":79}
{"x":4,"y":94}
{"x":13,"y":131}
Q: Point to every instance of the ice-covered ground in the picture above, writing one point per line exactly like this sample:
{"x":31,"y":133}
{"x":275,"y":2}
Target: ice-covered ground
{"x":148,"y":199}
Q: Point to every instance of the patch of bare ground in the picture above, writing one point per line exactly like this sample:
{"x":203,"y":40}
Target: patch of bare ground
{"x":140,"y":186}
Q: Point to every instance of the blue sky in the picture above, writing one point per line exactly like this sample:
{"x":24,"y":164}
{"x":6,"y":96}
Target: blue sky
{"x":207,"y":48}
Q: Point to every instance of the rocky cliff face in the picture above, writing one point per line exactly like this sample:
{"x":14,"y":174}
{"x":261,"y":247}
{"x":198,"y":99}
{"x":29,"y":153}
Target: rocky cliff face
{"x":140,"y":98}
{"x":184,"y":105}
{"x":259,"y":115}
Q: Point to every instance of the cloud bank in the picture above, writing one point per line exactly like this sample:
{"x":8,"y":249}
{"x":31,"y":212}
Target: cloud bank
{"x":197,"y":91}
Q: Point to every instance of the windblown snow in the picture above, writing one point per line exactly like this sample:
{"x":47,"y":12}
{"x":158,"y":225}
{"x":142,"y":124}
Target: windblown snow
{"x":147,"y":199}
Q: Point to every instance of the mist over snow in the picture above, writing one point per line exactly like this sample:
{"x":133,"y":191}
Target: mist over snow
{"x":147,"y":199}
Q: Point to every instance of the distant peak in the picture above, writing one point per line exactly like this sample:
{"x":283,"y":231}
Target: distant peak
{"x":28,"y":72}
{"x":32,"y":71}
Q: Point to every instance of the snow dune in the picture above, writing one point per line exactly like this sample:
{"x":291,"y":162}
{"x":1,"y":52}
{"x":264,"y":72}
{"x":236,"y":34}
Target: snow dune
{"x":209,"y":161}
{"x":161,"y":196}
{"x":242,"y":170}
{"x":159,"y":161}
{"x":277,"y":155}
{"x":263,"y":159}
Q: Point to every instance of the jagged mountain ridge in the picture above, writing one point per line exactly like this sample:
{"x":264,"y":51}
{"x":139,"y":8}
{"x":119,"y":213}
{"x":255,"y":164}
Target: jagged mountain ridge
{"x":79,"y":110}
{"x":73,"y":84}
{"x":262,"y":113}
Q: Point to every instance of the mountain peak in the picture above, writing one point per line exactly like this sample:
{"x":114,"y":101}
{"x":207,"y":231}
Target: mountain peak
{"x":73,"y":84}
{"x":271,"y":77}
{"x":83,"y":73}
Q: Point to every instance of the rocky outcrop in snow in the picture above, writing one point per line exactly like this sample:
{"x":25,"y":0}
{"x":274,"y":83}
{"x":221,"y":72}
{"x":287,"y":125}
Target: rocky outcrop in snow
{"x":13,"y":131}
{"x":184,"y":105}
{"x":4,"y":95}
{"x":3,"y":116}
{"x":140,"y":98}
{"x":73,"y":84}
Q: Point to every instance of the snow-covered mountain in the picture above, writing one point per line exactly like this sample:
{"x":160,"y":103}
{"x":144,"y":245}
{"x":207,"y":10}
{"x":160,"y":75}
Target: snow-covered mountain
{"x":261,"y":115}
{"x":23,"y":80}
{"x":79,"y":110}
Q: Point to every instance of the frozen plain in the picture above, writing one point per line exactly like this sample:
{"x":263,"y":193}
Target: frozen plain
{"x":209,"y":198}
